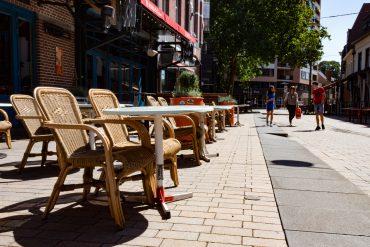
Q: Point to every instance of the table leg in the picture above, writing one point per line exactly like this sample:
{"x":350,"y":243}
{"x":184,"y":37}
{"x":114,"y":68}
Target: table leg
{"x":161,"y":198}
{"x":237,"y":116}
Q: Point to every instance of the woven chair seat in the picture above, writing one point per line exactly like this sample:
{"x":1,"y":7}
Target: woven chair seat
{"x":133,"y":159}
{"x":171,"y":146}
{"x":85,"y":157}
{"x":5,"y":125}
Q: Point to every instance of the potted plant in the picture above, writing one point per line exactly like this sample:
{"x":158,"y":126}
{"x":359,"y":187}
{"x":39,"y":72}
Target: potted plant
{"x":228,"y":100}
{"x":186,"y":92}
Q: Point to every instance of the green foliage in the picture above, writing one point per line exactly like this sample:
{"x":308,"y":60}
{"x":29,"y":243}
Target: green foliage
{"x":330,"y":69}
{"x":228,"y":98}
{"x":187,"y":84}
{"x":247,"y":34}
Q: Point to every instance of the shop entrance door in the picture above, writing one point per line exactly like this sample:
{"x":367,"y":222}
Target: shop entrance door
{"x":16,"y":51}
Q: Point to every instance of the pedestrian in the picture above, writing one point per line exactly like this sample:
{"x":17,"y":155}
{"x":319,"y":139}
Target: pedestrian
{"x":319,"y":102}
{"x":270,"y":104}
{"x":291,"y":103}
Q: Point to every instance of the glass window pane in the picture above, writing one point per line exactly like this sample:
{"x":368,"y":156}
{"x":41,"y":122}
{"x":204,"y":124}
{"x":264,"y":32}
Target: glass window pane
{"x":24,"y":44}
{"x":5,"y":56}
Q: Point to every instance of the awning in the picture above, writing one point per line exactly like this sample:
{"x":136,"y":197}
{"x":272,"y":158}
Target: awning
{"x":153,"y":9}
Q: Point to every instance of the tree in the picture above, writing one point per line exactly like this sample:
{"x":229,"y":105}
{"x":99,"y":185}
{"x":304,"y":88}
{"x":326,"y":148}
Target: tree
{"x":247,"y":34}
{"x":330,"y":68}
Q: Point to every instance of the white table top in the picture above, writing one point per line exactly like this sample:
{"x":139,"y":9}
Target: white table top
{"x":241,"y":105}
{"x":87,"y":105}
{"x":223,"y":107}
{"x":5,"y":105}
{"x":157,"y":110}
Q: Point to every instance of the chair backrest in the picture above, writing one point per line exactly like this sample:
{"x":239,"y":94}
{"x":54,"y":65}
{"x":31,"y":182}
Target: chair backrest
{"x":151,"y":101}
{"x":163,"y":102}
{"x":102,"y":99}
{"x":59,"y":106}
{"x":26,"y":105}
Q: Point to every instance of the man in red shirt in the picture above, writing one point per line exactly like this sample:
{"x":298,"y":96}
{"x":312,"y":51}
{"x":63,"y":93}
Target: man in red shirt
{"x":319,"y":102}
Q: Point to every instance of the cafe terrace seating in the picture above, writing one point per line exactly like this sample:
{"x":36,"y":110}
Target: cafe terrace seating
{"x":63,"y":116}
{"x":5,"y":127}
{"x":103,"y":99}
{"x":187,"y":135}
{"x":29,"y":114}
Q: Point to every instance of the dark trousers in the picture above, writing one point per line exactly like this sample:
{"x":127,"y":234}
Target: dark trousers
{"x":291,"y":110}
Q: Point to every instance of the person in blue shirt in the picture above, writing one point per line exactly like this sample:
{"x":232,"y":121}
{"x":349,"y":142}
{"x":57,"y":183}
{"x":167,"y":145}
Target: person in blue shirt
{"x":270,"y":104}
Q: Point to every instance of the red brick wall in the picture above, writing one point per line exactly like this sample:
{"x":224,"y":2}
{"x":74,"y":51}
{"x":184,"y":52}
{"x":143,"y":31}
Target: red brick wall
{"x":46,"y":44}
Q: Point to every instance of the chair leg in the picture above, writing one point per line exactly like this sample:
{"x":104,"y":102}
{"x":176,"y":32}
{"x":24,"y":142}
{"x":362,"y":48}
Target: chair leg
{"x":173,"y":171}
{"x":149,"y":183}
{"x":44,"y":152}
{"x":196,"y":150}
{"x":114,"y":199}
{"x":25,"y":155}
{"x":101,"y":178}
{"x":8,"y":139}
{"x":56,"y":191}
{"x":87,"y":177}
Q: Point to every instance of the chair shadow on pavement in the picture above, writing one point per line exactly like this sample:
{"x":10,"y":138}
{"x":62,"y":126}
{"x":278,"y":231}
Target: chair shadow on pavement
{"x":304,"y":131}
{"x":73,"y":224}
{"x":32,"y":171}
{"x":292,"y":163}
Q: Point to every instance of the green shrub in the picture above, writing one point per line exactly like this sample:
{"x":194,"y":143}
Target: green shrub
{"x":187,"y":85}
{"x":227,"y":98}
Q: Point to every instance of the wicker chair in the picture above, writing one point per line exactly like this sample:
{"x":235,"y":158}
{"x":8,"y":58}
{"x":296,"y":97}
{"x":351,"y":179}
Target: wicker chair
{"x":102,"y":99}
{"x":5,"y":126}
{"x":29,"y":114}
{"x":184,"y":131}
{"x":63,"y":116}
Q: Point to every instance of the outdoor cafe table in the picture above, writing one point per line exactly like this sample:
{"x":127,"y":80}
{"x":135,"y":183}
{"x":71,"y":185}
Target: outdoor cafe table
{"x":157,"y":112}
{"x":237,"y":112}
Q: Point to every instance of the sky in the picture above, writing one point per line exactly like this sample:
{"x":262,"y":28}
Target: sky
{"x":338,"y":26}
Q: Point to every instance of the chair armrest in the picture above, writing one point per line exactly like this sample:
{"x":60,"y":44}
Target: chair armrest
{"x":99,"y":134}
{"x":20,"y":117}
{"x":168,"y":126}
{"x":4,"y":114}
{"x":140,"y":128}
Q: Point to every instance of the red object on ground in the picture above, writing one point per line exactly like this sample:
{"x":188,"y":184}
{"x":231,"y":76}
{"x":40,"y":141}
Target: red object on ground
{"x":298,"y":113}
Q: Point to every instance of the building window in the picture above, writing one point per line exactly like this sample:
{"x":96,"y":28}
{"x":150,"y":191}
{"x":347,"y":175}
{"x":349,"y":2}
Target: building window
{"x":165,"y":6}
{"x":196,"y":18}
{"x":359,"y":61}
{"x":178,"y":11}
{"x":268,"y":72}
{"x":367,"y":58}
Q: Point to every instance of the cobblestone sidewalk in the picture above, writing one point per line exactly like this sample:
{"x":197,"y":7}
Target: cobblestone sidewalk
{"x":233,"y":203}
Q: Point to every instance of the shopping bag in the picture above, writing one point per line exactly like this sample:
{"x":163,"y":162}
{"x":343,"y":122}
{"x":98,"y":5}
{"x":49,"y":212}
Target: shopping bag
{"x":298,"y":113}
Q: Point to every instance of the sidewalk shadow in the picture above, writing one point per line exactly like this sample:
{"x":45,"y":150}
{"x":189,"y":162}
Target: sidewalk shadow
{"x":73,"y":224}
{"x":32,"y":171}
{"x":304,"y":131}
{"x":291,"y":163}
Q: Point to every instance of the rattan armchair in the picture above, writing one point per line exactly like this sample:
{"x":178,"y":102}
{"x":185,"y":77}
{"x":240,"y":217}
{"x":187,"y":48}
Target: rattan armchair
{"x":62,"y":115}
{"x":102,"y":99}
{"x":29,"y":114}
{"x":5,"y":126}
{"x":189,"y":136}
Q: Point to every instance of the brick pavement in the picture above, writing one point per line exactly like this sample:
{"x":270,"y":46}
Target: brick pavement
{"x":342,"y":145}
{"x":233,"y":203}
